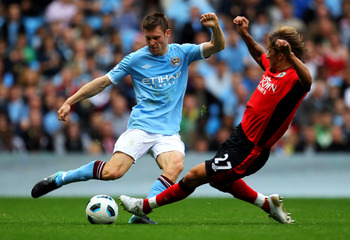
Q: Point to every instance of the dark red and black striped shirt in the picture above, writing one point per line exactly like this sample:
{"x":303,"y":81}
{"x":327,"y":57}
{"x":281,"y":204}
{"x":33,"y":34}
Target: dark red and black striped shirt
{"x":272,"y":107}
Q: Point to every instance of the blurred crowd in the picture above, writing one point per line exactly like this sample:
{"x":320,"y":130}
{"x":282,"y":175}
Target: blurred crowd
{"x":49,"y":49}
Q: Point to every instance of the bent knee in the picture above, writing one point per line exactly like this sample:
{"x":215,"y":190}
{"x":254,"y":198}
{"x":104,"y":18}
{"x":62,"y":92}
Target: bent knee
{"x":179,"y":166}
{"x":174,"y":167}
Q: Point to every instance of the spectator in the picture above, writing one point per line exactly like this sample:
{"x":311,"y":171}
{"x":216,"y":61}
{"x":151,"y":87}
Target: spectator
{"x":242,"y":99}
{"x":73,"y":138}
{"x":65,"y":83}
{"x":251,"y":77}
{"x":317,"y":102}
{"x":307,"y":141}
{"x":30,"y":8}
{"x":127,"y":17}
{"x":108,"y":137}
{"x":107,"y":28}
{"x":190,"y":116}
{"x":14,"y":64}
{"x":311,"y":13}
{"x":28,"y":52}
{"x":235,"y":53}
{"x":209,"y":106}
{"x":175,"y":7}
{"x":50,"y":58}
{"x":288,"y":18}
{"x":17,"y":108}
{"x":338,"y":143}
{"x":192,"y":27}
{"x":323,"y":127}
{"x":220,"y":137}
{"x":13,"y":25}
{"x":335,"y":58}
{"x":60,"y":11}
{"x":50,"y":122}
{"x":9,"y":142}
{"x":261,"y":27}
{"x":118,"y":114}
{"x":33,"y":134}
{"x":220,"y":80}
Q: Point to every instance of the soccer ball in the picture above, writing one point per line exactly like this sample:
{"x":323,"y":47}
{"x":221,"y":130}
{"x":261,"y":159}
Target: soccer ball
{"x":101,"y":209}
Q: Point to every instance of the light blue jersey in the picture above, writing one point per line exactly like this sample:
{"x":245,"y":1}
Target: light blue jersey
{"x":160,"y":83}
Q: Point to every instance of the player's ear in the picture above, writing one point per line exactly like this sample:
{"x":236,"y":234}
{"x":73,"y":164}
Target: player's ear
{"x":167,"y":33}
{"x":281,"y":56}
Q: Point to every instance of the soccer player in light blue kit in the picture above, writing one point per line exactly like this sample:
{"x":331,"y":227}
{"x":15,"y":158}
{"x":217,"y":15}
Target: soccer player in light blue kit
{"x":159,"y":74}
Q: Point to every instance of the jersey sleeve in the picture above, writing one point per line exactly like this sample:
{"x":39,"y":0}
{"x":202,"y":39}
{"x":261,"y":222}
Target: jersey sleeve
{"x":120,"y":70}
{"x":265,"y":61}
{"x":193,"y":51}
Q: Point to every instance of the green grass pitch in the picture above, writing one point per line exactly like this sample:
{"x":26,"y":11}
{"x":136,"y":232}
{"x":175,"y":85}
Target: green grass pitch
{"x":193,"y":218}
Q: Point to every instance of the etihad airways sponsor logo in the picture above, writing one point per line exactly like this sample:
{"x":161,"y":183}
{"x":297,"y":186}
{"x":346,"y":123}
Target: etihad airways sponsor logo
{"x":266,"y":85}
{"x":162,"y":81}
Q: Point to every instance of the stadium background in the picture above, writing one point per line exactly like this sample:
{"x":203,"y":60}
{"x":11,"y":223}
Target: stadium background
{"x":49,"y":49}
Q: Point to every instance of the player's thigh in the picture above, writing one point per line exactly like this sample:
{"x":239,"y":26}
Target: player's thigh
{"x":169,"y":152}
{"x":117,"y":166}
{"x":135,"y":143}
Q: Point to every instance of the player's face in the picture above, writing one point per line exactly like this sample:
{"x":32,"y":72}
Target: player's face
{"x":157,"y":41}
{"x":272,"y":55}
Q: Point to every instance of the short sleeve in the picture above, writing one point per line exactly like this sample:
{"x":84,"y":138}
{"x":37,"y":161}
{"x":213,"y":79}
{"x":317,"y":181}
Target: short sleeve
{"x":120,"y":70}
{"x":193,"y":51}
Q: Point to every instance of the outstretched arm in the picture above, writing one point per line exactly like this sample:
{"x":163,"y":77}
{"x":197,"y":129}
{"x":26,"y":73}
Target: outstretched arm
{"x":88,"y":90}
{"x":302,"y":71}
{"x":254,"y":48}
{"x":217,"y":42}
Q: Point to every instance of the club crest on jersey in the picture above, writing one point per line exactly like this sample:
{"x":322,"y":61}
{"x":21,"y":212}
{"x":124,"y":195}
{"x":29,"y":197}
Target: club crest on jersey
{"x":282,"y":74}
{"x":175,"y":61}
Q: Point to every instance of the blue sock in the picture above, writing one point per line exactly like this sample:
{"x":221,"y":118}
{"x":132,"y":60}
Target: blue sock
{"x":83,"y":173}
{"x":159,"y":186}
{"x":156,"y":188}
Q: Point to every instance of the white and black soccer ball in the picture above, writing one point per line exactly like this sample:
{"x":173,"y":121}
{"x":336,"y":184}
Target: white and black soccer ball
{"x":101,"y":209}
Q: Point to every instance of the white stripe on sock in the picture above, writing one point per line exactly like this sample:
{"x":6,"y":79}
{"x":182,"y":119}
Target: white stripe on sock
{"x":99,"y":169}
{"x":152,"y":202}
{"x":164,"y":181}
{"x":260,"y":200}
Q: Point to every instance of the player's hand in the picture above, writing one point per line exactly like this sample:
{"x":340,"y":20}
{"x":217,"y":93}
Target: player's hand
{"x":209,"y":20}
{"x":284,"y":47}
{"x":242,"y":24}
{"x":63,"y":112}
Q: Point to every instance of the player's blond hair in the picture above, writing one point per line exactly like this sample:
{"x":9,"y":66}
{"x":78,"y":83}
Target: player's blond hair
{"x":294,"y":39}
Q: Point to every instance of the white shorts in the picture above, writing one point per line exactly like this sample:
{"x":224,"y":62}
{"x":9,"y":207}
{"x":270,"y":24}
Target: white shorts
{"x":136,"y":143}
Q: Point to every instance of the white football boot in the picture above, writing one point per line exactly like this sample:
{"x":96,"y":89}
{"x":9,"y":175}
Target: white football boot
{"x":132,"y":205}
{"x":277,"y":210}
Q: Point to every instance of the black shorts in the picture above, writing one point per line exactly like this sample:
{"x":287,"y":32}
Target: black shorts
{"x":236,"y":158}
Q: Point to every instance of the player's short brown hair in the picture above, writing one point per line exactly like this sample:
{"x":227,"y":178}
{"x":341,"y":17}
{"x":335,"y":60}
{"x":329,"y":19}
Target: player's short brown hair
{"x":294,"y":39}
{"x":154,"y":20}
